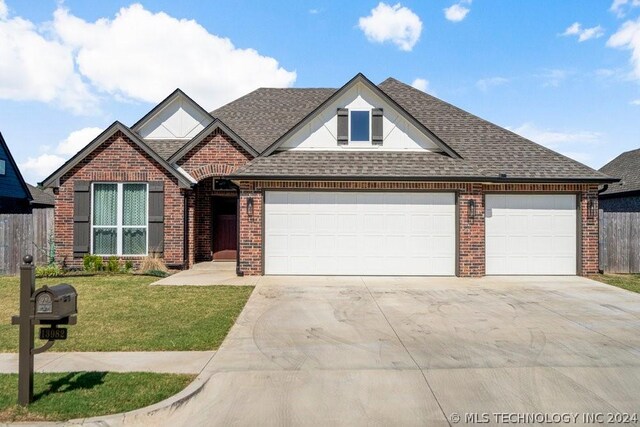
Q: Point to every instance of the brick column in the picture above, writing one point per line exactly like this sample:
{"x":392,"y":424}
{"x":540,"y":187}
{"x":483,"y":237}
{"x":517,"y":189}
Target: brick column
{"x":191,"y":200}
{"x":471,"y":249}
{"x":589,"y":217}
{"x":250,"y":244}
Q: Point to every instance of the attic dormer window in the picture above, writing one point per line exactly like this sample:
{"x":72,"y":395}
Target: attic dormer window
{"x":360,"y":126}
{"x":3,"y":168}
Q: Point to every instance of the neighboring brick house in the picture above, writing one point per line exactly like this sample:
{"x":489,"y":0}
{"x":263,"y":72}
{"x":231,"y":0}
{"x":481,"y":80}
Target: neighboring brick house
{"x":362,"y":180}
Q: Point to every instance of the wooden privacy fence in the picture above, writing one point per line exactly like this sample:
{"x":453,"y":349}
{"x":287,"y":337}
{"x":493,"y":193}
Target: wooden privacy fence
{"x":24,"y":233}
{"x":620,"y":242}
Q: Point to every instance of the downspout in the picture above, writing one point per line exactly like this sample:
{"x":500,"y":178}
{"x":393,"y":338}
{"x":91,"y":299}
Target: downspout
{"x":185,"y":242}
{"x":239,"y":272}
{"x":604,"y":188}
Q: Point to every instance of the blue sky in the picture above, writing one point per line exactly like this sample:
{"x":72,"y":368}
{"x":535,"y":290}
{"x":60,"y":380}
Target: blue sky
{"x":563,"y":73}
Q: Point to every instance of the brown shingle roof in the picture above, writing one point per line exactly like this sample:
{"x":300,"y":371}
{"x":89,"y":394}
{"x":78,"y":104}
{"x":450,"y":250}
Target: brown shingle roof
{"x":357,"y":164}
{"x":165,"y":147}
{"x":626,"y":167}
{"x":264,"y":115}
{"x":41,"y":196}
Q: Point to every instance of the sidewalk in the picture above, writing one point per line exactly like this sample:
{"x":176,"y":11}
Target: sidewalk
{"x":171,"y":362}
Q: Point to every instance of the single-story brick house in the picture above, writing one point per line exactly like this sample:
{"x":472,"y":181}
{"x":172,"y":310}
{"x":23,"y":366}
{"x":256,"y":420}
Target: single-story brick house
{"x":362,"y":180}
{"x":623,"y":196}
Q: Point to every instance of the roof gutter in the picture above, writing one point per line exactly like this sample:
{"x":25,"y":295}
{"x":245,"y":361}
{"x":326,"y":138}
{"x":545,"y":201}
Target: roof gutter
{"x":483,"y":179}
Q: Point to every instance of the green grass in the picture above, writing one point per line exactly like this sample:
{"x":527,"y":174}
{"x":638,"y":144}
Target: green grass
{"x":124,"y":313}
{"x":630,"y":282}
{"x":59,"y":397}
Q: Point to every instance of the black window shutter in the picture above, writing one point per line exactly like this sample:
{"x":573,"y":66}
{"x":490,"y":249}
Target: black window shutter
{"x":156,"y":217}
{"x":81,"y":218}
{"x":343,"y":126}
{"x":376,"y":126}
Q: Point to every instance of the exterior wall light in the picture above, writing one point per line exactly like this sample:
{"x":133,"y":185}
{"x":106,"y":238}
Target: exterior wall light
{"x":591,"y":209}
{"x":472,"y":209}
{"x":250,"y":206}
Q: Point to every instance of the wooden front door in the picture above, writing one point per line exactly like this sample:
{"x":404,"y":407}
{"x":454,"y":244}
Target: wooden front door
{"x":225,"y":228}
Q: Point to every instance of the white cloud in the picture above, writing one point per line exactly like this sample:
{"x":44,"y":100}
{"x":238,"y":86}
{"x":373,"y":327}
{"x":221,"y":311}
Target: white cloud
{"x":570,"y":143}
{"x":635,"y":102}
{"x":143,"y":55}
{"x":314,"y":11}
{"x":628,"y":37}
{"x":485,"y":84}
{"x":553,"y":78}
{"x":77,"y":140}
{"x":36,"y":68}
{"x":397,"y":24}
{"x":457,"y":12}
{"x":137,"y":55}
{"x":36,"y":168}
{"x":583,"y":34}
{"x":4,"y":11}
{"x":421,"y":84}
{"x":620,"y":7}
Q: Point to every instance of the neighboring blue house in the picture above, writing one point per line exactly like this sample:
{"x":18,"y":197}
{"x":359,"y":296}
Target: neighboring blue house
{"x":15,"y":196}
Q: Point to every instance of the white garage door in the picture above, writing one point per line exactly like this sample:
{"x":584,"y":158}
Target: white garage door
{"x":530,"y":234}
{"x":359,"y":233}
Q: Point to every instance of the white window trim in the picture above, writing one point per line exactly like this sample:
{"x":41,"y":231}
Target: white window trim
{"x":3,"y":167}
{"x":360,"y":143}
{"x":119,"y":226}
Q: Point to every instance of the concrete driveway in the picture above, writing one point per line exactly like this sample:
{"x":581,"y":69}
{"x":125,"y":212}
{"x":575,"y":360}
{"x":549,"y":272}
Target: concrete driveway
{"x":420,"y":351}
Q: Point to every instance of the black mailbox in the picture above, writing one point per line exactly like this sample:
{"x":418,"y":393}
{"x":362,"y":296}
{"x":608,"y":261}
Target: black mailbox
{"x":55,"y":303}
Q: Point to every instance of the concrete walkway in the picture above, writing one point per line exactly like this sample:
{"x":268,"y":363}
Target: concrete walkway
{"x":209,"y":274}
{"x":171,"y":362}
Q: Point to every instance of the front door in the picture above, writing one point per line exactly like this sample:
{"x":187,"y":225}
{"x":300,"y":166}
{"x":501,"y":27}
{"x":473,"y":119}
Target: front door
{"x":225,"y":231}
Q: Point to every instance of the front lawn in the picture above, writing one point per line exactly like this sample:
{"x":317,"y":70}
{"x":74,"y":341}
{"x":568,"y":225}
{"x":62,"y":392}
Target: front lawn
{"x":64,"y":396}
{"x":124,"y":313}
{"x":630,"y":282}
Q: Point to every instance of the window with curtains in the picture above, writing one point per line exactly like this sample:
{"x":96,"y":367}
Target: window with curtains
{"x":119,"y":219}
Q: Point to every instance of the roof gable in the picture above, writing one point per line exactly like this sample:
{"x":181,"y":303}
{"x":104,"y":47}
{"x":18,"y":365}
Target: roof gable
{"x":321,"y":132}
{"x":54,"y":179}
{"x":216,"y":124}
{"x":177,"y":117}
{"x":12,"y":184}
{"x":360,"y":79}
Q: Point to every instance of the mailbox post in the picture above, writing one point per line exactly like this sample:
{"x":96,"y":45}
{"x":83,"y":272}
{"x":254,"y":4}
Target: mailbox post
{"x":25,"y":359}
{"x":49,"y":306}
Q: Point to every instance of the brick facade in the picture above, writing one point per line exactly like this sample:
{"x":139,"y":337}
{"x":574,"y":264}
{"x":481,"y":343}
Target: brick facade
{"x":118,"y":160}
{"x":217,"y":156}
{"x":471,"y":232}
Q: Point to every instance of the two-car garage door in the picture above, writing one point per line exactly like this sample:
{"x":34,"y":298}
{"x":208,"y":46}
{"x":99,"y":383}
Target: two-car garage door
{"x":359,"y":233}
{"x":385,"y":233}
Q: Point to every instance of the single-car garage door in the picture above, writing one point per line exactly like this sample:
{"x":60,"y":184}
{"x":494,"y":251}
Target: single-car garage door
{"x":359,"y":233}
{"x":530,"y":234}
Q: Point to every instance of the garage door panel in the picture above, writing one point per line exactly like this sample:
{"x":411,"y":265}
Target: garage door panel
{"x":364,"y":233}
{"x":530,"y":234}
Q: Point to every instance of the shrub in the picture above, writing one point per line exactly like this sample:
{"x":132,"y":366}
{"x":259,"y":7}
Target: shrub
{"x":113,"y":265}
{"x":156,"y":273}
{"x":92,"y":263}
{"x":153,"y":263}
{"x":128,"y":266}
{"x":51,"y":270}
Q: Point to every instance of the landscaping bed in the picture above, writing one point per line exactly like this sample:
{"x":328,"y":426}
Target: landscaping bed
{"x":64,"y":396}
{"x":630,"y":282}
{"x":121,"y":312}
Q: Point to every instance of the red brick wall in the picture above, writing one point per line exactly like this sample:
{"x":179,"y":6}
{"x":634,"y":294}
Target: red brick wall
{"x":217,"y":155}
{"x":471,"y":249}
{"x":119,"y":160}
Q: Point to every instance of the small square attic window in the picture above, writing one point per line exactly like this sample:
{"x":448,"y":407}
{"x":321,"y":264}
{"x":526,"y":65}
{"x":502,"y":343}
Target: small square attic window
{"x":3,"y":168}
{"x":360,"y":127}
